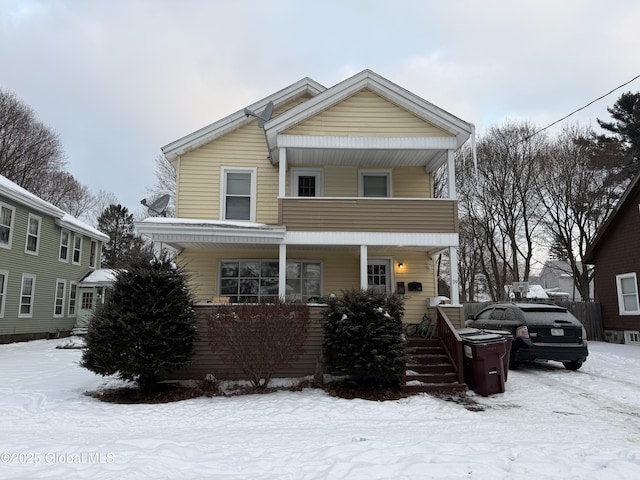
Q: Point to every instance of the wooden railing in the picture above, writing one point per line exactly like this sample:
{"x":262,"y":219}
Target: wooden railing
{"x":451,"y":342}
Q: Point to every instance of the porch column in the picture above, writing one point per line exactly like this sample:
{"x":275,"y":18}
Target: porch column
{"x":282,"y":269}
{"x":157,"y":248}
{"x":364,"y":284}
{"x":451,"y":174}
{"x":455,"y":287}
{"x":282,"y":172}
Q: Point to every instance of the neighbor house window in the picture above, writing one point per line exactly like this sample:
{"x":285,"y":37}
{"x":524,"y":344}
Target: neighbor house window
{"x":27,"y":293}
{"x":238,"y":192}
{"x":7,"y":213}
{"x":73,"y":298}
{"x":33,"y":235}
{"x":93,"y":254}
{"x":58,"y":304}
{"x":64,"y":245}
{"x":77,"y":248}
{"x":257,"y":280}
{"x":306,"y":182}
{"x":375,"y":184}
{"x":627,"y":285}
{"x":3,"y":290}
{"x":87,"y":301}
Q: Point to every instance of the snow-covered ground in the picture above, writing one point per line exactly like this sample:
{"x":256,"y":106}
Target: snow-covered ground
{"x":550,"y":423}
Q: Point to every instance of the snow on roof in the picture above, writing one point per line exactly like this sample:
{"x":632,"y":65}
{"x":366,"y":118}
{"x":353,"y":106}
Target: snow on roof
{"x":100,"y":276}
{"x":197,"y":221}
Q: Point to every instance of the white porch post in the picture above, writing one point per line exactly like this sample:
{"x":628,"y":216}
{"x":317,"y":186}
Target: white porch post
{"x":451,"y":174}
{"x":455,"y":286}
{"x":157,"y":248}
{"x":282,"y":172}
{"x":282,"y":269}
{"x":364,"y":284}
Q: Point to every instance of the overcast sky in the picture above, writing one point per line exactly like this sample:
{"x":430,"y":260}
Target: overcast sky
{"x":119,"y":79}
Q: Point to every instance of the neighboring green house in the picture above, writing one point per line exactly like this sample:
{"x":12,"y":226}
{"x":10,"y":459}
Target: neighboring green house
{"x":93,"y":290}
{"x":44,"y":253}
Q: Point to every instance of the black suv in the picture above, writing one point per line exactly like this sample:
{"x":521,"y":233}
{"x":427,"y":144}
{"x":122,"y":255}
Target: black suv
{"x":540,"y":331}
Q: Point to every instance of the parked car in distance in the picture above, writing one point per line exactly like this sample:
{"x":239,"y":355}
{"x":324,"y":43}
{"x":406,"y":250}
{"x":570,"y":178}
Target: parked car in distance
{"x":540,"y":332}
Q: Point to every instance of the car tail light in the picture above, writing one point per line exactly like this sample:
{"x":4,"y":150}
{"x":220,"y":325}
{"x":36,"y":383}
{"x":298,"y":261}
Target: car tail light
{"x":522,"y":332}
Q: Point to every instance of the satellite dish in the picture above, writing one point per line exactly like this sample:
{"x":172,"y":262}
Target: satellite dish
{"x":157,"y":208}
{"x":263,"y":117}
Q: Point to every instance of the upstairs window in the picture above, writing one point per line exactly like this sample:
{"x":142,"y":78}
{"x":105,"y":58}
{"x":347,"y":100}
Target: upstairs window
{"x":7,"y":214}
{"x":375,"y":184}
{"x":33,"y":235}
{"x":627,"y":285}
{"x":64,"y":245}
{"x":306,"y":182}
{"x":93,"y":254}
{"x":238,"y":194}
{"x":77,"y":248}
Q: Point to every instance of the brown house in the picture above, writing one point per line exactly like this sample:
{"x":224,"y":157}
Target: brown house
{"x":615,"y":252}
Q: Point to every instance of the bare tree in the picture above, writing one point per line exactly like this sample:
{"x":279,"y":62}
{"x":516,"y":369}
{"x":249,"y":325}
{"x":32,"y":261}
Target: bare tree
{"x":165,"y":183}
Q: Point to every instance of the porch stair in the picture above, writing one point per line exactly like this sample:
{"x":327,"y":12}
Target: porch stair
{"x":429,"y":369}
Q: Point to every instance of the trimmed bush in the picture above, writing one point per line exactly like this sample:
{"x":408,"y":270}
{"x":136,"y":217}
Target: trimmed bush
{"x":363,"y":337}
{"x":259,"y":339}
{"x":146,"y":326}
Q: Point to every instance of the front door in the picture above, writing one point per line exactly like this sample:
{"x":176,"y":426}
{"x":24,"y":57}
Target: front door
{"x":379,"y":275}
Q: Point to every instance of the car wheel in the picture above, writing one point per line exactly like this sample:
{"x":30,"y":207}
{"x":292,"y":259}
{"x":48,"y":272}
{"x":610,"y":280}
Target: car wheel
{"x":575,"y":365}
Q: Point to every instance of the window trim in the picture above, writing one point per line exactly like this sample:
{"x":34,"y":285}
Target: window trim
{"x":387,"y":262}
{"x":224,"y":170}
{"x":73,"y":250}
{"x":4,"y":281}
{"x":11,"y":224}
{"x":374,"y":173}
{"x":93,"y":254}
{"x":36,"y":235}
{"x":56,"y":298}
{"x":621,"y":309}
{"x":32,"y":297}
{"x":306,"y":172}
{"x":73,"y":287}
{"x":68,"y":245}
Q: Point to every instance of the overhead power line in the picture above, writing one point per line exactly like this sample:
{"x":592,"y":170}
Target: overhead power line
{"x":582,"y":108}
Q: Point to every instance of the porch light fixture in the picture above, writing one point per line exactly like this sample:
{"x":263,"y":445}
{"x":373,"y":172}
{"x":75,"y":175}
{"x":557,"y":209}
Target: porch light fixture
{"x":400,"y":265}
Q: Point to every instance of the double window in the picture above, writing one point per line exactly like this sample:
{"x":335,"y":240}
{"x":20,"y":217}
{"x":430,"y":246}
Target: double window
{"x":27,"y":293}
{"x":33,"y":235}
{"x":58,"y":304}
{"x":7,"y":213}
{"x":4,"y":275}
{"x":257,"y":280}
{"x":627,"y":286}
{"x":238,"y":194}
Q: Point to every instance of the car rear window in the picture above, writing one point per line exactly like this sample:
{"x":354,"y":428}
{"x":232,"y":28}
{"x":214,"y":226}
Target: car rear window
{"x":553,"y":309}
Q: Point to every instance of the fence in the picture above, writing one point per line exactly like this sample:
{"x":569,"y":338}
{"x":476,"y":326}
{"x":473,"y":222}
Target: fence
{"x":589,"y":314}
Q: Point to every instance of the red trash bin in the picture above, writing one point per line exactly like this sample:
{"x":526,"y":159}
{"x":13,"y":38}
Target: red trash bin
{"x":484,"y":361}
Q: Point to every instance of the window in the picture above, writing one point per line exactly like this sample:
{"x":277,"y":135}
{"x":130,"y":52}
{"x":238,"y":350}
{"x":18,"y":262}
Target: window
{"x":77,"y":248}
{"x":33,"y":235}
{"x":27,"y":293}
{"x":6,"y":224}
{"x":632,"y":337}
{"x":306,"y":182}
{"x":238,"y":194}
{"x":87,"y":301}
{"x":73,"y":295}
{"x":93,"y":254}
{"x":58,"y":304}
{"x":4,"y":275}
{"x":375,"y":184}
{"x":378,"y":276}
{"x":64,"y":245}
{"x":257,"y":280}
{"x":627,"y":285}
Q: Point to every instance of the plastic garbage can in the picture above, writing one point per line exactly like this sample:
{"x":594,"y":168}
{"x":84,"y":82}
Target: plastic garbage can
{"x":509,"y":338}
{"x":484,"y":360}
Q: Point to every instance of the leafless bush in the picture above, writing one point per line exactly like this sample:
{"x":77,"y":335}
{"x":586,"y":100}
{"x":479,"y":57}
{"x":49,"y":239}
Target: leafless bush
{"x":259,"y":339}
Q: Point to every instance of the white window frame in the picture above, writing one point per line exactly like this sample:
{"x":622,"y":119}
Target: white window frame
{"x":4,"y":281}
{"x":93,"y":254}
{"x":72,"y":308}
{"x":10,"y":226}
{"x":223,"y":192}
{"x":374,"y":173}
{"x":296,"y":173}
{"x":62,"y":245}
{"x":632,"y":337}
{"x":57,"y":299}
{"x":31,"y":297}
{"x":621,"y":295}
{"x":74,"y":249}
{"x":37,"y":235}
{"x":387,"y":262}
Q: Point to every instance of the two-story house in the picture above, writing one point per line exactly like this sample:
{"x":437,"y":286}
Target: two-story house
{"x":314,"y":190}
{"x":44,"y":253}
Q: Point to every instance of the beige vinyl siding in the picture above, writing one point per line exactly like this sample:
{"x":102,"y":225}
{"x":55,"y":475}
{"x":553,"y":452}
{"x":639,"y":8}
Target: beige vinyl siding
{"x":340,"y":181}
{"x":366,"y":114}
{"x":411,"y":182}
{"x":47,"y":269}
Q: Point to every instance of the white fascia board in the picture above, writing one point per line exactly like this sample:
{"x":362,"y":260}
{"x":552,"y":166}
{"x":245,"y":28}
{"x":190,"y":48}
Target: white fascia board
{"x":75,"y":225}
{"x":187,"y":231}
{"x":379,"y":143}
{"x":373,"y":239}
{"x":221,"y":127}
